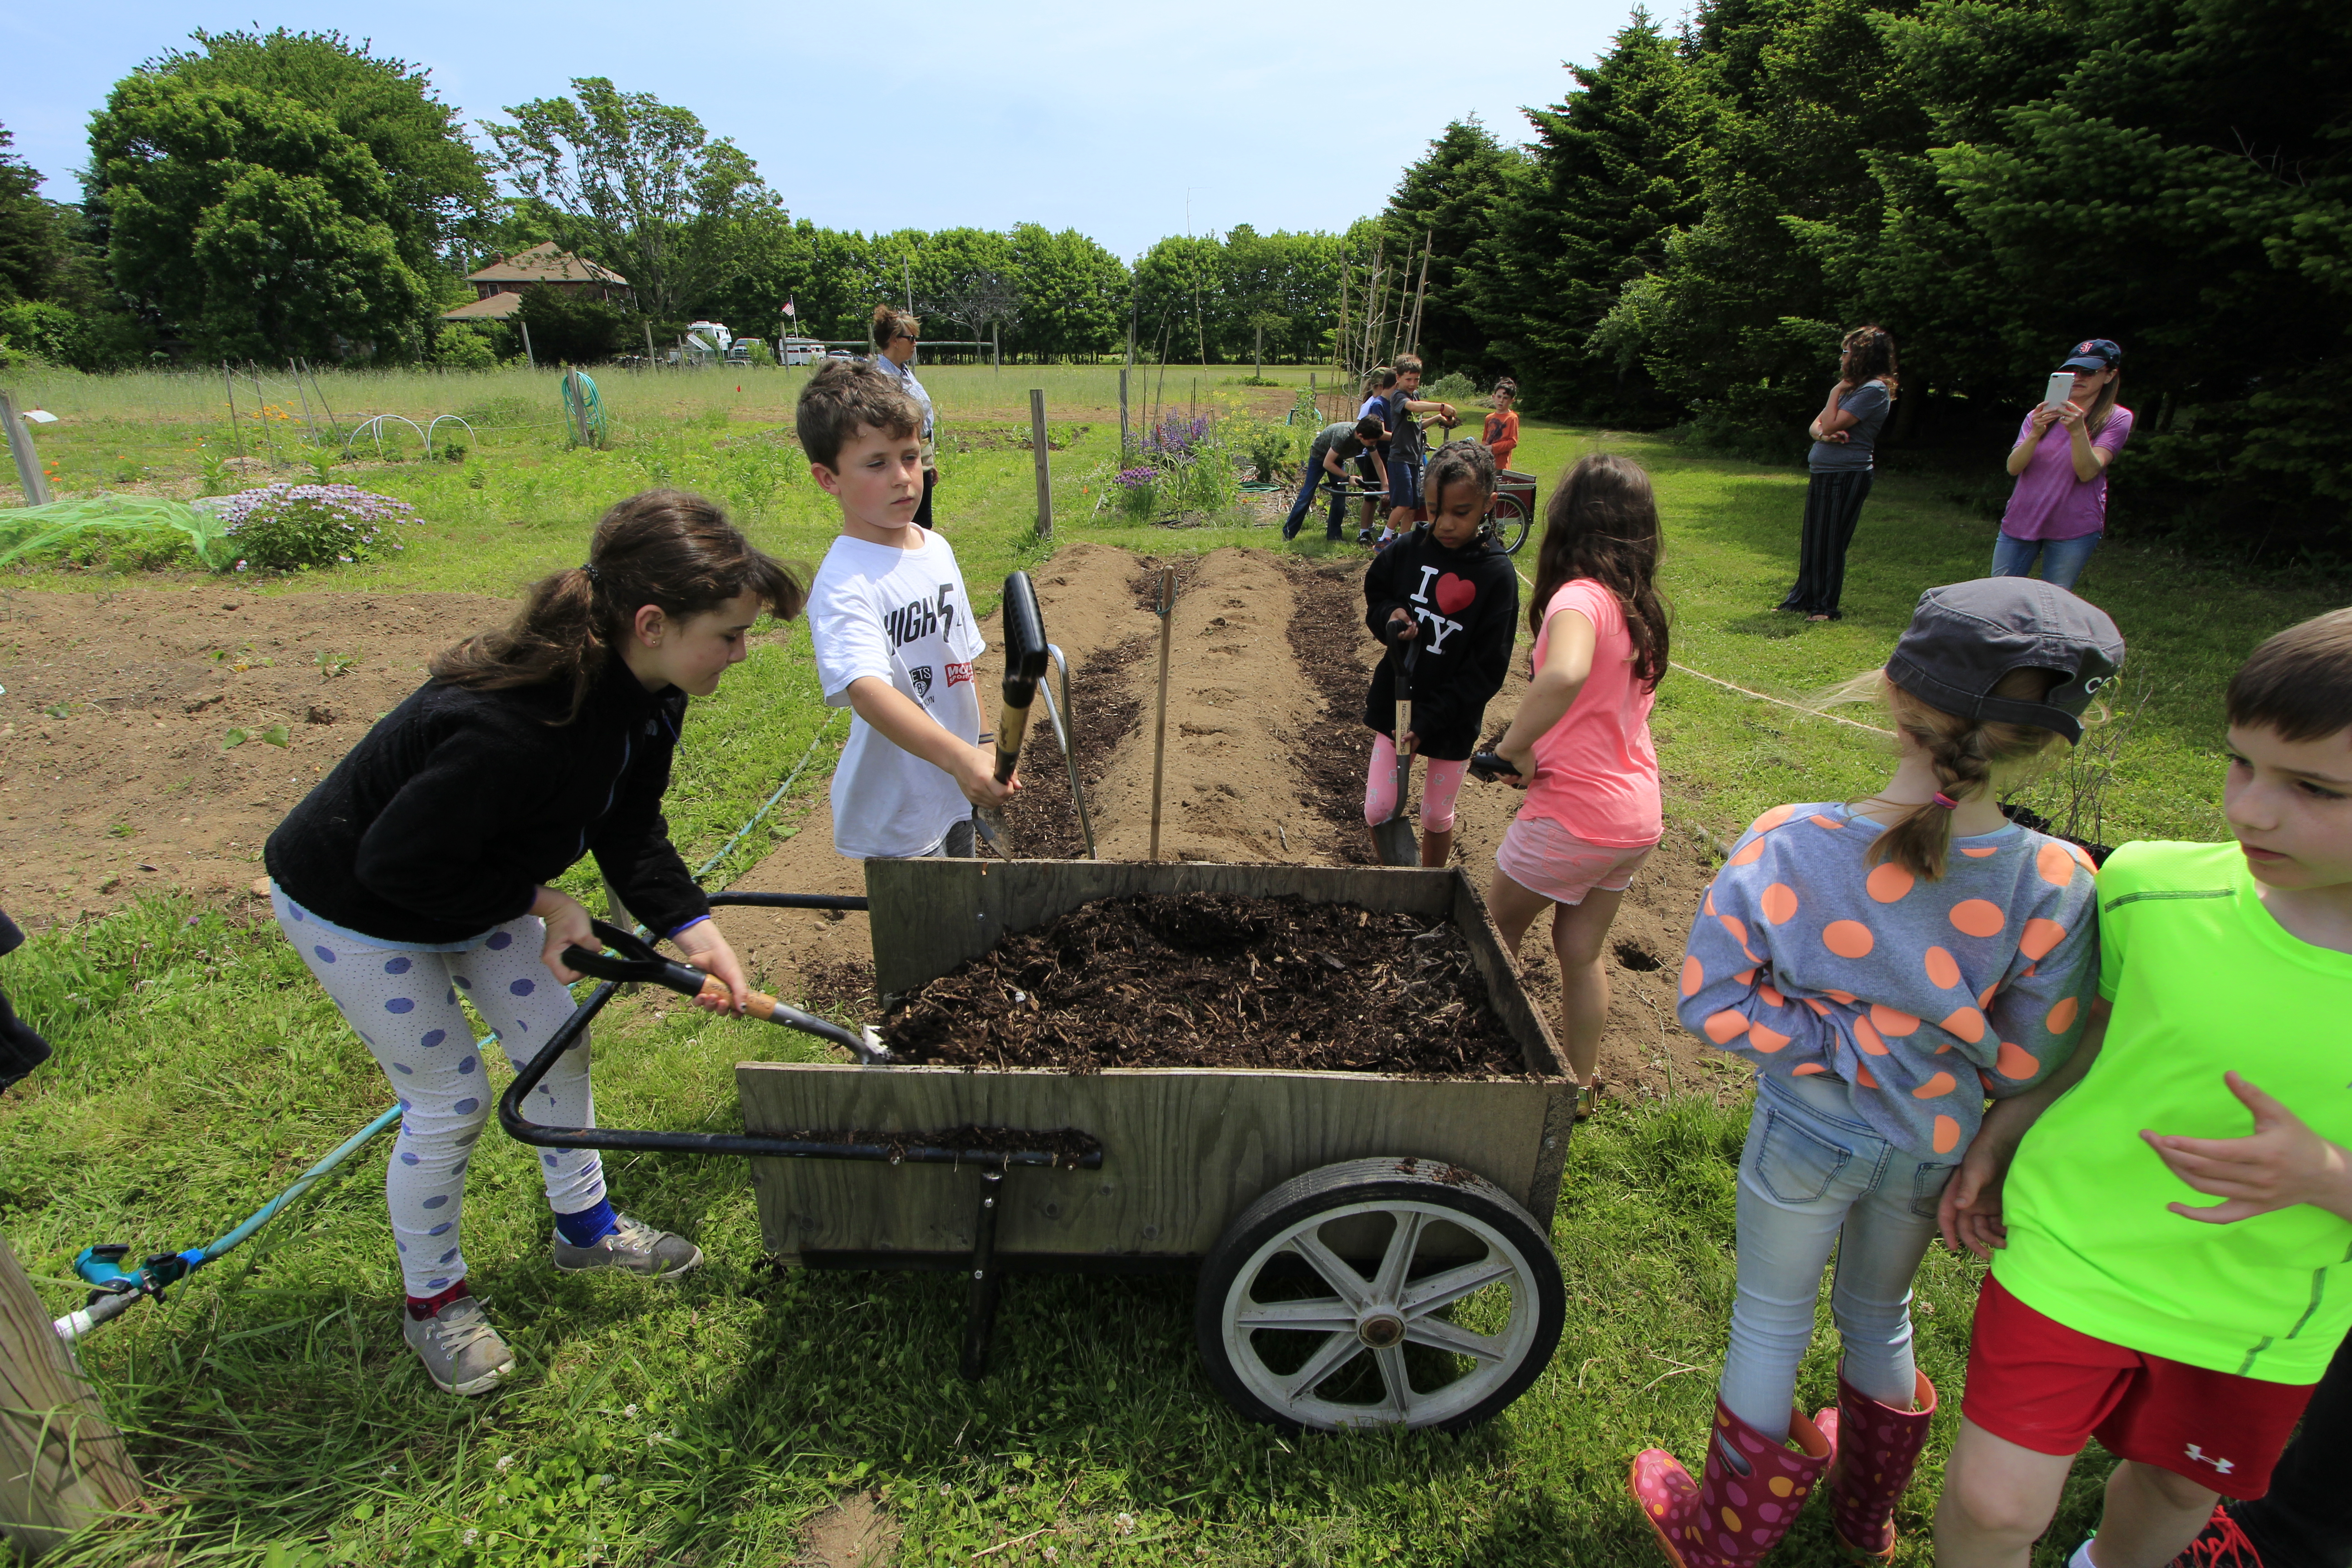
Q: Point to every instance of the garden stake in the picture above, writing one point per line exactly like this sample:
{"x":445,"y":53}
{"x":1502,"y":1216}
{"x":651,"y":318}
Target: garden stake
{"x":1160,"y":724}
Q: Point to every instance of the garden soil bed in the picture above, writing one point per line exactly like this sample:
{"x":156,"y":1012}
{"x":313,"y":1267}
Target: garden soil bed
{"x":113,"y":778}
{"x":1198,"y":980}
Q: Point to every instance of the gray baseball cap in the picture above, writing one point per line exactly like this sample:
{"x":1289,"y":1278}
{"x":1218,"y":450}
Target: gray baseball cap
{"x":1965,"y":636}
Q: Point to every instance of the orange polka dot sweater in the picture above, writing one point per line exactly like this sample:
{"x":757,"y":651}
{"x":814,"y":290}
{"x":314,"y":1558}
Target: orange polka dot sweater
{"x":1924,"y":997}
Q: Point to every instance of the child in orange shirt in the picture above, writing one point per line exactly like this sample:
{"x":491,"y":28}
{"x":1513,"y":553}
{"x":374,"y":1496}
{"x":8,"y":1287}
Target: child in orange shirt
{"x":1502,"y":432}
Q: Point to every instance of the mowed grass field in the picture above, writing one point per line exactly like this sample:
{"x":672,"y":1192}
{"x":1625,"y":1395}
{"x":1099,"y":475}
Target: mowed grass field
{"x":281,"y":1423}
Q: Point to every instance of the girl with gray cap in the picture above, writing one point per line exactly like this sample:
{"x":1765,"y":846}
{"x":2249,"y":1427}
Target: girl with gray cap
{"x":1885,"y":963}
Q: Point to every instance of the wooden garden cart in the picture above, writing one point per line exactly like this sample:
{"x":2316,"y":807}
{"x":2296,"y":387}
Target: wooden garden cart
{"x":1371,"y":1249}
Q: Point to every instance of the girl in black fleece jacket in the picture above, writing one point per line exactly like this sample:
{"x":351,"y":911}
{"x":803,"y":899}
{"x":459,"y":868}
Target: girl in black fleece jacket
{"x":1445,"y":595}
{"x":420,"y":868}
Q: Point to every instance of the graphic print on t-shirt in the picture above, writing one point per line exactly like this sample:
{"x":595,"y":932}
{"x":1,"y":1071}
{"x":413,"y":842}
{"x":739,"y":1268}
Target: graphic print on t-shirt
{"x":922,"y":619}
{"x":1452,"y":595}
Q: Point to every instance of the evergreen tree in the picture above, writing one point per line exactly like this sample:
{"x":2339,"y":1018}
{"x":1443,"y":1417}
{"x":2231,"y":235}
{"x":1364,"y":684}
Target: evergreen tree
{"x":1443,"y":209}
{"x":1586,"y":214}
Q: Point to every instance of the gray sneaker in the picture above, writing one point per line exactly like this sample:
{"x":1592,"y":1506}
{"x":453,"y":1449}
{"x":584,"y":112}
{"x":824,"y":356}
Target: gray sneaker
{"x":461,"y":1352}
{"x":636,"y":1247}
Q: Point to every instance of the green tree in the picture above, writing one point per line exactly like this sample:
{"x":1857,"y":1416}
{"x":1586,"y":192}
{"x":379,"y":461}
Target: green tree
{"x":638,"y":184}
{"x":255,"y":223}
{"x":28,"y":228}
{"x":1583,"y":217}
{"x":569,"y":328}
{"x":1073,"y":292}
{"x":440,"y":191}
{"x":1443,"y":207}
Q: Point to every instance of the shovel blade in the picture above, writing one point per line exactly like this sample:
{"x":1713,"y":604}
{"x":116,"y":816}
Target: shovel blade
{"x":1395,"y":841}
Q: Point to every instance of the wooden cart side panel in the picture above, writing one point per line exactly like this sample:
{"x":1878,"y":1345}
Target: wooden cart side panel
{"x":930,"y":915}
{"x":1186,"y":1150}
{"x":1533,"y":1031}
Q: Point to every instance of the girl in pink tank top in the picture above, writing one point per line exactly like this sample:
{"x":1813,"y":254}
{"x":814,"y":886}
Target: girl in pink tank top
{"x":1581,"y":742}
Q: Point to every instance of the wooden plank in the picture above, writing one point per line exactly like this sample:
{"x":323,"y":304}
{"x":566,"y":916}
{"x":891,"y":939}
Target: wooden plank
{"x":930,"y":915}
{"x":61,"y":1466}
{"x":1185,"y":1150}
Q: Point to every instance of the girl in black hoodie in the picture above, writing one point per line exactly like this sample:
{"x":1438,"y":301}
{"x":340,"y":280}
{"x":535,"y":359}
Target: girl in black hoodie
{"x":420,"y":868}
{"x":1445,"y":595}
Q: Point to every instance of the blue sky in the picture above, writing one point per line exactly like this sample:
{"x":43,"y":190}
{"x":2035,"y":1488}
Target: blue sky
{"x":1105,"y":118}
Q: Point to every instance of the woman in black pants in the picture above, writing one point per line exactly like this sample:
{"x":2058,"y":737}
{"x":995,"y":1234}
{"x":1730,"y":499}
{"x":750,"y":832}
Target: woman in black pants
{"x":1845,"y":434}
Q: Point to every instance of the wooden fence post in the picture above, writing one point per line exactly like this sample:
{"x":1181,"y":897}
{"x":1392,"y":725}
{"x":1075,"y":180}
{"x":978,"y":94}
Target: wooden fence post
{"x":649,"y":345}
{"x":1045,"y":462}
{"x":528,"y":358}
{"x":61,"y":1466}
{"x":28,"y":462}
{"x":1122,"y":415}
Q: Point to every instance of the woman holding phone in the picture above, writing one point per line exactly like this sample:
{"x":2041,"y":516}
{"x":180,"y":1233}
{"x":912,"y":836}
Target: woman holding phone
{"x":2058,"y":512}
{"x":1845,"y":435}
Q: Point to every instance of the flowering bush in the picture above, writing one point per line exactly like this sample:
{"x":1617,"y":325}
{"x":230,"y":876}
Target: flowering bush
{"x":1175,"y":440}
{"x":291,"y":528}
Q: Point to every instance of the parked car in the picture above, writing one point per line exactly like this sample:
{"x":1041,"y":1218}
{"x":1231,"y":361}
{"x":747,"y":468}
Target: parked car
{"x":739,"y":351}
{"x":839,"y":353}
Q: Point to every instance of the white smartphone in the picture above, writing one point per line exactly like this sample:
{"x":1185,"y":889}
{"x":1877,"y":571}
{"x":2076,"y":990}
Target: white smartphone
{"x":2061,"y":388}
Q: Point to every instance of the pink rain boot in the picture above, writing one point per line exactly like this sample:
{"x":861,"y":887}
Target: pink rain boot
{"x":1875,"y":1447}
{"x":1728,"y":1520}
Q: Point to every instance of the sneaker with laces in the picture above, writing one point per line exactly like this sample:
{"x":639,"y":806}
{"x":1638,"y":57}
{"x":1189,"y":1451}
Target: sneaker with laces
{"x":633,"y":1248}
{"x":461,"y":1352}
{"x":2221,"y":1544}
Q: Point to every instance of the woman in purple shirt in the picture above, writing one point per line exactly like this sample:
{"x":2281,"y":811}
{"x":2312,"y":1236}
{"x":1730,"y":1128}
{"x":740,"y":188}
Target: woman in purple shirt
{"x":2059,"y":510}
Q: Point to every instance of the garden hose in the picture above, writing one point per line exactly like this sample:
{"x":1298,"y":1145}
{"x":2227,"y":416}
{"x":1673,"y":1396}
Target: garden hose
{"x":583,"y":411}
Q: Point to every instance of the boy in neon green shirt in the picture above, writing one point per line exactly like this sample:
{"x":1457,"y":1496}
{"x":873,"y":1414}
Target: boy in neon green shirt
{"x":2187,"y":1338}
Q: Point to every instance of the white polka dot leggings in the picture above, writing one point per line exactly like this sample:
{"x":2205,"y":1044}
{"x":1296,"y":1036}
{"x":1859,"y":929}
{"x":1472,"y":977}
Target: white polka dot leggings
{"x":405,"y":1006}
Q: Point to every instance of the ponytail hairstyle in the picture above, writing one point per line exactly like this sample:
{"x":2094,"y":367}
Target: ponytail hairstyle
{"x":891,"y":323}
{"x":1459,"y":462}
{"x":665,"y":548}
{"x":1602,"y":524}
{"x":1867,"y":353}
{"x":1966,"y":753}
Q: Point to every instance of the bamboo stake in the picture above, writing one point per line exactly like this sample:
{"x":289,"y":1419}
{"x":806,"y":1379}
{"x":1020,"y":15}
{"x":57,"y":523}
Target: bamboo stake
{"x":1160,"y":724}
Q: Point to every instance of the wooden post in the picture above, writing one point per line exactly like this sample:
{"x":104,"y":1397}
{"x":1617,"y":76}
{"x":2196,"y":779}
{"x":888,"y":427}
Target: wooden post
{"x":995,"y":348}
{"x":649,"y":345}
{"x":235,"y":436}
{"x":1160,"y":724}
{"x":28,"y":462}
{"x":528,"y":358}
{"x":1045,"y":462}
{"x":575,"y":416}
{"x":1122,"y":414}
{"x":61,"y":1466}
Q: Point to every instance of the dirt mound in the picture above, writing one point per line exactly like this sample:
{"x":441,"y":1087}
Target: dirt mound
{"x":1215,"y":981}
{"x":113,"y":777}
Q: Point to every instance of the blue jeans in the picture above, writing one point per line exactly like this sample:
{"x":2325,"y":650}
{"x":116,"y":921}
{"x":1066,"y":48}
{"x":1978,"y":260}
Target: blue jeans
{"x":1306,"y":502}
{"x":1814,"y":1176}
{"x":2063,"y":560}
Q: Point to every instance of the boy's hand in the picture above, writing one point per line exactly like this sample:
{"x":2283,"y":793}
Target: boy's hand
{"x":2283,"y":1162}
{"x":979,"y":779}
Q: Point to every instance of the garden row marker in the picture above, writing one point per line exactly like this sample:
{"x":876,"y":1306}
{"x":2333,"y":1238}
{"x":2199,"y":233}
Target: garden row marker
{"x":1122,"y":417}
{"x":28,"y":462}
{"x":1045,"y":462}
{"x":61,"y":1466}
{"x":1159,"y":725}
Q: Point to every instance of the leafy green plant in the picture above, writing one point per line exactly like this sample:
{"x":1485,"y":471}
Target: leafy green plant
{"x":292,"y":528}
{"x":275,"y":735}
{"x":218,"y":481}
{"x":33,"y":531}
{"x":332,"y":665}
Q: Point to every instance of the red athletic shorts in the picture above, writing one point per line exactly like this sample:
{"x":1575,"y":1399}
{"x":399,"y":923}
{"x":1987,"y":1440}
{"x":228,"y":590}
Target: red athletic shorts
{"x":2042,"y":1385}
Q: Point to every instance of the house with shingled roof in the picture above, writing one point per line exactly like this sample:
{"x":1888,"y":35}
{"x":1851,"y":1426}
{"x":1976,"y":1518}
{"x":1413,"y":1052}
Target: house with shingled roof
{"x":497,"y":288}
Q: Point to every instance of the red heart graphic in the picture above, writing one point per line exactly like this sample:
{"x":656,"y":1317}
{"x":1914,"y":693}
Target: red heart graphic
{"x":1455,"y":594}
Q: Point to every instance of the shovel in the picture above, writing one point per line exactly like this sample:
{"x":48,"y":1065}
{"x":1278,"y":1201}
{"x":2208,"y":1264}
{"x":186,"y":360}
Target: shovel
{"x":1395,"y":838}
{"x":1025,"y":653}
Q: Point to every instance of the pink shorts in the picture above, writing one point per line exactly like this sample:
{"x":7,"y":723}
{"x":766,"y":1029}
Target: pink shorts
{"x":1544,"y":858}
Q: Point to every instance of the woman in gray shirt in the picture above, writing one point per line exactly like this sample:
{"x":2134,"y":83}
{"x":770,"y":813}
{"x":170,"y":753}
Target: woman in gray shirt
{"x":1845,"y":433}
{"x":895,"y":333}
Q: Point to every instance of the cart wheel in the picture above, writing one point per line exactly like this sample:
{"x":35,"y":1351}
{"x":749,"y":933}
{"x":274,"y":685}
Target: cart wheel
{"x":1510,"y":515}
{"x":1378,"y":1292}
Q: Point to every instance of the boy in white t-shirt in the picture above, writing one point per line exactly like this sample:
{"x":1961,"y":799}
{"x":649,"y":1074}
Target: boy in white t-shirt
{"x":895,"y":635}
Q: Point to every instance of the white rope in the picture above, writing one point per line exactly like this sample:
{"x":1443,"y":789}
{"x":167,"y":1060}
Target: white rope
{"x":1761,"y":697}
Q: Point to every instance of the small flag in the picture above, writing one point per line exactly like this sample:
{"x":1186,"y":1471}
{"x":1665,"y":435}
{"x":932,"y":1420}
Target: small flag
{"x":790,"y":311}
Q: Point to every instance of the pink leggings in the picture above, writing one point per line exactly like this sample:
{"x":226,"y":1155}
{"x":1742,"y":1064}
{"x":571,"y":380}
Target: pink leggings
{"x":1437,"y":791}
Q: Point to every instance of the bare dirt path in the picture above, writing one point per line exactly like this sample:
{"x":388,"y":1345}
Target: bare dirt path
{"x":113,"y":779}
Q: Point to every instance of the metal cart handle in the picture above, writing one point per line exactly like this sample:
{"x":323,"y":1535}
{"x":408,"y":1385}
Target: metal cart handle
{"x":637,"y":961}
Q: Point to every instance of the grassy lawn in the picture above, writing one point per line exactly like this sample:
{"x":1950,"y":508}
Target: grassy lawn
{"x":281,"y":1423}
